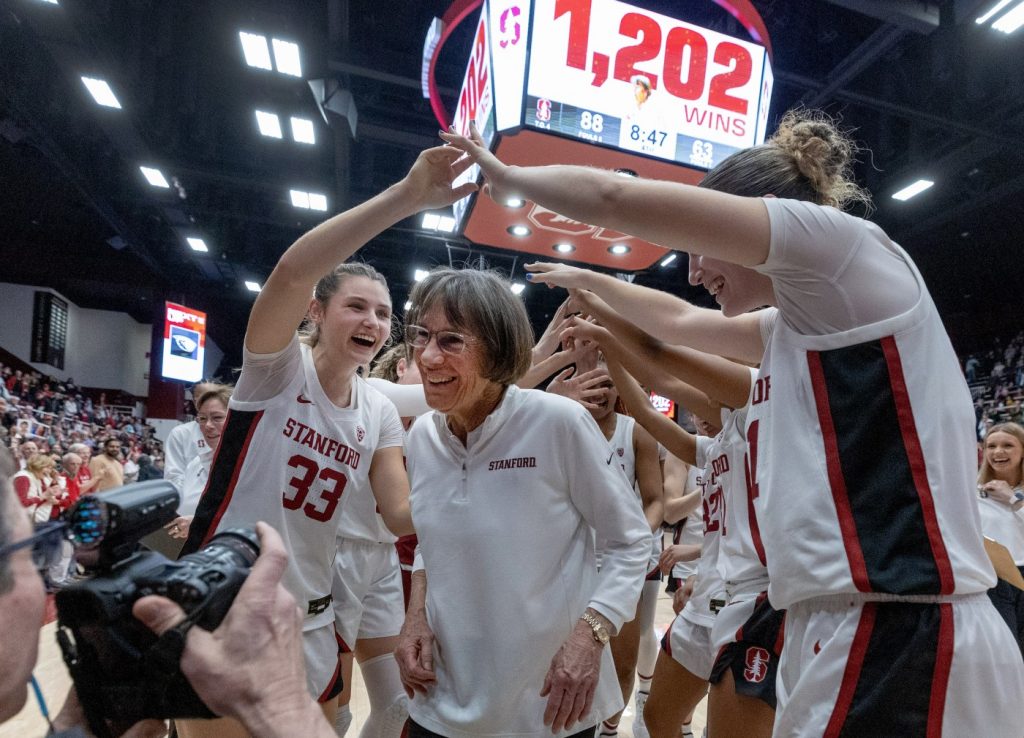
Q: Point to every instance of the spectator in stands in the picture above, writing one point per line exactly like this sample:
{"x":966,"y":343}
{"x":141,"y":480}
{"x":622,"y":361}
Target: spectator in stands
{"x":86,"y":481}
{"x":26,"y":450}
{"x":131,"y":466}
{"x":37,"y":487}
{"x":971,"y":368}
{"x":108,"y":466}
{"x":71,"y":465}
{"x":147,"y":470}
{"x":1001,"y":502}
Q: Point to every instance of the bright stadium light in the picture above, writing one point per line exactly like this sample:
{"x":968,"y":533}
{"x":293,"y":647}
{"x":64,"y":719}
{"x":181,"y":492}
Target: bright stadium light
{"x":668,"y":259}
{"x":430,"y":221}
{"x":302,"y":130}
{"x":154,"y":176}
{"x":420,"y":274}
{"x":197,"y":244}
{"x":619,"y":249}
{"x":101,"y":92}
{"x":286,"y":56}
{"x":252,"y":286}
{"x":915,"y":189}
{"x":1012,"y":20}
{"x":517,"y":288}
{"x":300,"y":199}
{"x":317,"y":202}
{"x":257,"y":53}
{"x":270,"y":124}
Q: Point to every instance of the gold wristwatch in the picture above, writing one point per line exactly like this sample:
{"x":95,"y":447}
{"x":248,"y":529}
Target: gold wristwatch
{"x":600,"y":632}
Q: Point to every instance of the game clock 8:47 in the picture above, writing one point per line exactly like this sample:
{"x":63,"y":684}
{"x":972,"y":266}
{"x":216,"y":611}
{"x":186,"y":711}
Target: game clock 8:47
{"x":643,"y":139}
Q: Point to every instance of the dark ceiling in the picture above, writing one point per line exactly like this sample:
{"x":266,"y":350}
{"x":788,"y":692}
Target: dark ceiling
{"x":929,"y":92}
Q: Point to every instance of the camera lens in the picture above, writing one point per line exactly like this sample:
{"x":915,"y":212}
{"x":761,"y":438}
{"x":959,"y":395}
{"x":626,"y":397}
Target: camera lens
{"x":242,"y":542}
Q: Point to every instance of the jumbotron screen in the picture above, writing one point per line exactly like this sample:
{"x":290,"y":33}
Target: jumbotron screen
{"x":631,"y":79}
{"x":184,"y":343}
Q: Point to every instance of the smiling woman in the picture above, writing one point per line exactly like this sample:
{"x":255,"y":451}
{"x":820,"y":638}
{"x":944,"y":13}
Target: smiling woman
{"x":496,"y":469}
{"x":296,"y":405}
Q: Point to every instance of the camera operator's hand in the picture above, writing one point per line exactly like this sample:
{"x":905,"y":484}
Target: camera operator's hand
{"x":178,"y":528}
{"x":251,"y":667}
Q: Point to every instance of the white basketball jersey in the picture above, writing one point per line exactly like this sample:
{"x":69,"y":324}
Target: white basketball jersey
{"x":709,"y":585}
{"x":1003,"y":525}
{"x":690,"y":530}
{"x":861,"y":461}
{"x":741,"y":560}
{"x":293,"y":461}
{"x":622,"y":453}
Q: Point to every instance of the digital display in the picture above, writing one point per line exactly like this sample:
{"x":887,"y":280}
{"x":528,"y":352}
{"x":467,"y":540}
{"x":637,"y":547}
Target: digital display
{"x":476,"y":104}
{"x":184,"y":343}
{"x":607,"y":72}
{"x":664,"y":405}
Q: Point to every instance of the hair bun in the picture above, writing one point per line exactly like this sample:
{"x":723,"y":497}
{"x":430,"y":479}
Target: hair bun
{"x":823,"y":154}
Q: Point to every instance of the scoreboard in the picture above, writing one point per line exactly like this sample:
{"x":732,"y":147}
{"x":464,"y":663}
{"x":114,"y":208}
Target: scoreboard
{"x":602,"y":83}
{"x":611,"y":74}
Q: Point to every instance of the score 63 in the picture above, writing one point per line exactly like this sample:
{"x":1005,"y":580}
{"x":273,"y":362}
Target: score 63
{"x":679,"y":43}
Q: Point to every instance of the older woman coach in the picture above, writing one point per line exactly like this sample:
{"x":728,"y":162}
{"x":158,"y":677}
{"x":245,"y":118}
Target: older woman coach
{"x":509,"y":617}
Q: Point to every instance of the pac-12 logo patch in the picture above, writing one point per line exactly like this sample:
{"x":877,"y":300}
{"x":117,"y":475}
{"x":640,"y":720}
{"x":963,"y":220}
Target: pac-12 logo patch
{"x":756,"y":665}
{"x":360,"y":433}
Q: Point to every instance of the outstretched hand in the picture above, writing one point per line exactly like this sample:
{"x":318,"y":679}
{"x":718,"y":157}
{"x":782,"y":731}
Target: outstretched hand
{"x":496,"y":185}
{"x":559,"y":275}
{"x":429,"y":181}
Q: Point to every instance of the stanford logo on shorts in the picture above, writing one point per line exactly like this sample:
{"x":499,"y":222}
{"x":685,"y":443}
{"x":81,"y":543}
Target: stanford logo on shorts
{"x":360,"y":433}
{"x":757,"y":665}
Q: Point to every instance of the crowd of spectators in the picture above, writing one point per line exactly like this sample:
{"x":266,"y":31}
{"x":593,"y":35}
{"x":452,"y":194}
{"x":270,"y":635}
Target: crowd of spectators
{"x":996,"y":379}
{"x":68,"y":444}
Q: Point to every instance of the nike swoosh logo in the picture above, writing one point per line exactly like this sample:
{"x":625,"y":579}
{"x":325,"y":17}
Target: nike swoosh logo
{"x":303,"y":400}
{"x":609,"y":462}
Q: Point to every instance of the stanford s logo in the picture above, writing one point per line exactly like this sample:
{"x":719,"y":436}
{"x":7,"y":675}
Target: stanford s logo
{"x":756,"y":665}
{"x":621,"y":453}
{"x":360,"y":433}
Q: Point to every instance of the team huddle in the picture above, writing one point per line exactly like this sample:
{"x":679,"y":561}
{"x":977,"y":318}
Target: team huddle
{"x":828,"y":562}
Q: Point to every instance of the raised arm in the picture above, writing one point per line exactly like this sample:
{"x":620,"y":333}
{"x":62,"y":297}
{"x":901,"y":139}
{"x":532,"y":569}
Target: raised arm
{"x":678,"y":216}
{"x":679,"y":442}
{"x":282,"y":304}
{"x":662,"y":383}
{"x":720,"y":379}
{"x":648,"y":476}
{"x":679,"y":501}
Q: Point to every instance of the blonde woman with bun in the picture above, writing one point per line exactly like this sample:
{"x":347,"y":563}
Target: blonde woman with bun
{"x":860,"y":438}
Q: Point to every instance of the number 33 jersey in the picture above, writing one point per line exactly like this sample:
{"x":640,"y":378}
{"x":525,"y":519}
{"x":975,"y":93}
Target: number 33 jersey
{"x":292,"y":458}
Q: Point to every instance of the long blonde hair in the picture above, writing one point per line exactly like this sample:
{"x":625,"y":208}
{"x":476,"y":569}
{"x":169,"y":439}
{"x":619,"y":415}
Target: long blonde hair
{"x":986,"y":474}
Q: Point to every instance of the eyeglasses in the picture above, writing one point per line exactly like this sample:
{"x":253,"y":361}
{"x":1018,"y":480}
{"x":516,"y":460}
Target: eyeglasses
{"x":448,"y":341}
{"x":46,"y":541}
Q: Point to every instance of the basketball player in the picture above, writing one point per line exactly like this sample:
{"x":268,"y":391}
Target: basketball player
{"x":304,"y":434}
{"x":636,"y":452}
{"x":860,"y":433}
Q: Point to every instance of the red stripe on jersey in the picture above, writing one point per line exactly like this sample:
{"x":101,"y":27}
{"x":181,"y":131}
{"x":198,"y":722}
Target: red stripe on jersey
{"x":851,"y":675}
{"x":940,"y":677}
{"x":330,"y":692}
{"x":915,"y":457}
{"x":854,"y":553}
{"x":239,"y":462}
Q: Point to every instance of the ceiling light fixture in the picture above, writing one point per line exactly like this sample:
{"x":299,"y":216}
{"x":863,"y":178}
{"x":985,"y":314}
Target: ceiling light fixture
{"x":408,"y":305}
{"x":101,"y":92}
{"x":517,"y":288}
{"x":981,"y":20}
{"x":520,"y":231}
{"x":269,"y":123}
{"x":252,"y":286}
{"x":286,"y":57}
{"x":419,"y":275}
{"x":1012,"y":20}
{"x":430,"y":221}
{"x":515,"y":202}
{"x":619,"y":249}
{"x":669,"y":259}
{"x":257,"y":53}
{"x":154,"y":176}
{"x":197,"y":244}
{"x":302,"y":130}
{"x":317,"y":202}
{"x":915,"y":189}
{"x":300,"y":199}
{"x":564,"y":248}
